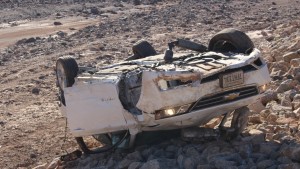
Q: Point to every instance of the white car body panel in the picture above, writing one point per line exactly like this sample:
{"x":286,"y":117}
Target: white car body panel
{"x":94,"y":108}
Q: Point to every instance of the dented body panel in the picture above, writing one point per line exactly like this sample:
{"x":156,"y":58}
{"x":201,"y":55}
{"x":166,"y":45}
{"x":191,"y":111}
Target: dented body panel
{"x":81,"y":110}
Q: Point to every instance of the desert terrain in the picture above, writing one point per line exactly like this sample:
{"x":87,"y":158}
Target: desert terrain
{"x":34,"y":35}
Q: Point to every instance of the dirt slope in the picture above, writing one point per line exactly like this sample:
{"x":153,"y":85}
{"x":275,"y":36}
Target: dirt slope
{"x":32,"y":129}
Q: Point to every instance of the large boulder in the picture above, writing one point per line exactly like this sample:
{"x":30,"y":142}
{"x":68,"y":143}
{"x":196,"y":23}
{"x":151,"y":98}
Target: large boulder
{"x":268,"y":96}
{"x":295,"y":62}
{"x":296,"y":102}
{"x":152,"y":164}
{"x":257,"y":107}
{"x":280,"y":65}
{"x":296,"y":154}
{"x":286,"y":85}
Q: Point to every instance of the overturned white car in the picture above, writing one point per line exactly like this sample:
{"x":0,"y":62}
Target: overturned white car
{"x":151,"y":91}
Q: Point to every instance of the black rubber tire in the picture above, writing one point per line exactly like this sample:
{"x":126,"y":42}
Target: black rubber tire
{"x":143,"y":49}
{"x":231,"y":40}
{"x":70,"y":67}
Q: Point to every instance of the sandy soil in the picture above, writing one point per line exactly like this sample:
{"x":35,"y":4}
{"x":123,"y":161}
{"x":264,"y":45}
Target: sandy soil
{"x":32,"y":128}
{"x":41,"y":28}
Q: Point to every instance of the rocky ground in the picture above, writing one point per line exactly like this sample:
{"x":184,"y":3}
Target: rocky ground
{"x":33,"y":131}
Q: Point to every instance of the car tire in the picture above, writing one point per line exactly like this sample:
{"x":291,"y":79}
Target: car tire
{"x":230,"y":40}
{"x":66,"y":71}
{"x":143,"y":49}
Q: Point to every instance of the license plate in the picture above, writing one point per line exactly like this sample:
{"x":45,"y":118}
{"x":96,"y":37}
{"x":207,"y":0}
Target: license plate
{"x":232,"y":79}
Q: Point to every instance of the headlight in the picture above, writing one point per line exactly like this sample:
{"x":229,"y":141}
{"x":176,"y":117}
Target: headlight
{"x":161,"y":114}
{"x":262,"y":88}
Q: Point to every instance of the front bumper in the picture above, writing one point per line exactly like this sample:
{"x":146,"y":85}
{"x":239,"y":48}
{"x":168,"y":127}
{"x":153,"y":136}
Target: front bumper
{"x":198,"y":117}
